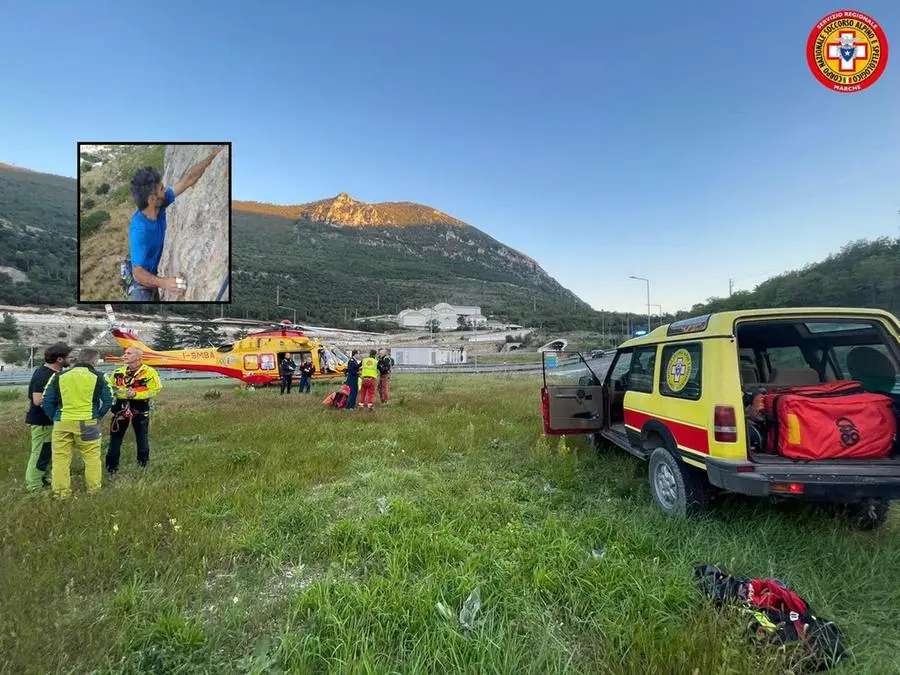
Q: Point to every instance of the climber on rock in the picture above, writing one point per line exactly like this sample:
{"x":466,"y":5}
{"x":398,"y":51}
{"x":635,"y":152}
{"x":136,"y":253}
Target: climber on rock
{"x":147,"y":232}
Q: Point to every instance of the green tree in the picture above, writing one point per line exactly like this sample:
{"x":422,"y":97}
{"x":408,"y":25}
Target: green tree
{"x":17,"y":355}
{"x":9,"y":329}
{"x":201,"y":335}
{"x":86,"y":335}
{"x":165,"y":337}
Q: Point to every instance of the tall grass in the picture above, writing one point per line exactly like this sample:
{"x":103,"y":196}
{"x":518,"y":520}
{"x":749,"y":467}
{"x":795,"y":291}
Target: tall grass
{"x":270,"y":532}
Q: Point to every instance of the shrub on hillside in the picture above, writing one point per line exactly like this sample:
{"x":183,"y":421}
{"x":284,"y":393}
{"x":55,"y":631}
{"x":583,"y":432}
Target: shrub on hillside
{"x":17,"y":355}
{"x":86,"y":335}
{"x":122,"y":193}
{"x":88,"y":204}
{"x":85,"y":167}
{"x":103,"y":189}
{"x":92,"y":223}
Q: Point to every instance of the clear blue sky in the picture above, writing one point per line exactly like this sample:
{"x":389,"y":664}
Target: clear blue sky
{"x":686,"y":142}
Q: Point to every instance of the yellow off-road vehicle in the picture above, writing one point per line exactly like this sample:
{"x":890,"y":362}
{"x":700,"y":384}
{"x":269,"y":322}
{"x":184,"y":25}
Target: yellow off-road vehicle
{"x":682,"y":398}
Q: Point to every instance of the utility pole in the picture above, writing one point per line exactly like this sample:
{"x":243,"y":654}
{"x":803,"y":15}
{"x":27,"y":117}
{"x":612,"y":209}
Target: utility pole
{"x":277,"y":295}
{"x":730,"y":287}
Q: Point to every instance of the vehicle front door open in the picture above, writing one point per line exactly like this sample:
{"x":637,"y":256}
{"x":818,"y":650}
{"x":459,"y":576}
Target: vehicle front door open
{"x":569,"y":408}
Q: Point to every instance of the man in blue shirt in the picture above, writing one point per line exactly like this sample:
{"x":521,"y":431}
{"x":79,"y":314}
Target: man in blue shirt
{"x":147,"y":230}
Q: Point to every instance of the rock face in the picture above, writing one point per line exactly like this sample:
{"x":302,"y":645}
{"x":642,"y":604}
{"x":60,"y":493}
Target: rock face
{"x":197,"y":234}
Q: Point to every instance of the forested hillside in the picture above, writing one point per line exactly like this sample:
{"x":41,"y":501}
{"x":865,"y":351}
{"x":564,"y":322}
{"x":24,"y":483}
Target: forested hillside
{"x":863,"y":274}
{"x":37,"y":238}
{"x":330,"y":273}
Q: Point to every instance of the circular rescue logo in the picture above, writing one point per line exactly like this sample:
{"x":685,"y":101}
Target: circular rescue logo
{"x":679,"y":370}
{"x":847,"y":51}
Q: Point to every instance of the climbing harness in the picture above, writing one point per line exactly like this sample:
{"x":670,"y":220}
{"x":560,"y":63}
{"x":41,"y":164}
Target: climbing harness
{"x":126,"y":277}
{"x":126,"y":413}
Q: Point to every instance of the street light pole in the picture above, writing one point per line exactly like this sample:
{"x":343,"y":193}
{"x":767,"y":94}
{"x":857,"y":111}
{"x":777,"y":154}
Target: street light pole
{"x":648,"y":298}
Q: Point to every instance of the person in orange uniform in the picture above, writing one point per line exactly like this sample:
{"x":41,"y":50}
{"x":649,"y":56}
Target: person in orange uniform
{"x":369,"y":376}
{"x":134,"y":387}
{"x":385,"y":364}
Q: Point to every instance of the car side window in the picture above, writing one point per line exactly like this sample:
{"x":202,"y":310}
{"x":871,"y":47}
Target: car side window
{"x":682,"y":373}
{"x":643,"y":367}
{"x":620,"y":368}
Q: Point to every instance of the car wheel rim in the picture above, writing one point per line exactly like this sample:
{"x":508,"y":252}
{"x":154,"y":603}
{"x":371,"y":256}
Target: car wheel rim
{"x":665,"y":485}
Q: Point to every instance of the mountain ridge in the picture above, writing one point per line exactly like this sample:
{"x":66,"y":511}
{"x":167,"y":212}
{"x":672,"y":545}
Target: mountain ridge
{"x":348,"y":212}
{"x":345,"y":211}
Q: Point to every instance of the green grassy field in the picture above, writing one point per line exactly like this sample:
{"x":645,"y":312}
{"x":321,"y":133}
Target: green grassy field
{"x":270,"y":534}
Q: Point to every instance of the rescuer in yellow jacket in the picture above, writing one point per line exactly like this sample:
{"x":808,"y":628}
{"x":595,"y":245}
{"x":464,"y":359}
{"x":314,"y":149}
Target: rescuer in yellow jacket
{"x":369,"y":372}
{"x":76,"y":400}
{"x":134,"y":387}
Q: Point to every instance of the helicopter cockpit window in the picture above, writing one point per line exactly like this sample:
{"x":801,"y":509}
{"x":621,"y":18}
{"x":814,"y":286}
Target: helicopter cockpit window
{"x":225,"y":348}
{"x":340,"y":357}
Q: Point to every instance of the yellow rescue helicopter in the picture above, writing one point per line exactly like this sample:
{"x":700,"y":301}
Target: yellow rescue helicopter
{"x":253,"y":359}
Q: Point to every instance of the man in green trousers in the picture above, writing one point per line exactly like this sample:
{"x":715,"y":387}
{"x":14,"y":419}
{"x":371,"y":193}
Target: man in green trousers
{"x":56,"y":357}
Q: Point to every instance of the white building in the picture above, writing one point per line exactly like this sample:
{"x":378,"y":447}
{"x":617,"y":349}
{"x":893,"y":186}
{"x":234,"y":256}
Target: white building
{"x":427,"y":356}
{"x":447,"y":316}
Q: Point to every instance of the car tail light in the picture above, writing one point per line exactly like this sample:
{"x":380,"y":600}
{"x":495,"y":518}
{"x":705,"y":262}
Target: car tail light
{"x":790,"y":488}
{"x":725,"y":424}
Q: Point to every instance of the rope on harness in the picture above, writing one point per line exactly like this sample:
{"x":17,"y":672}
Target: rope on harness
{"x":126,"y":413}
{"x":224,"y":286}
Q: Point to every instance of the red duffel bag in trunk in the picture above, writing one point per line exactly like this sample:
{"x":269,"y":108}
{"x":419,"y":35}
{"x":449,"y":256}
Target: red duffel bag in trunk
{"x":833,"y":420}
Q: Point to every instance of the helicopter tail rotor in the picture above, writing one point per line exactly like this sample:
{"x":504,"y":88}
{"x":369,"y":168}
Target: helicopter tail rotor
{"x":110,"y":324}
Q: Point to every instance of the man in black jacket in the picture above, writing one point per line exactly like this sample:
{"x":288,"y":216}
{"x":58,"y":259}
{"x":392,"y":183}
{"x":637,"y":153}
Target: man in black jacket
{"x":286,"y":369}
{"x":306,"y":372}
{"x":56,"y":357}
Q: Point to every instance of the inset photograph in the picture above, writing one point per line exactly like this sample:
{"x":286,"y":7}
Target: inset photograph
{"x":154,"y":222}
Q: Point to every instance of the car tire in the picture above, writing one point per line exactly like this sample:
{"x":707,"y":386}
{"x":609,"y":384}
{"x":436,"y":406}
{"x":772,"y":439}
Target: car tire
{"x":677,"y":488}
{"x":868,"y":514}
